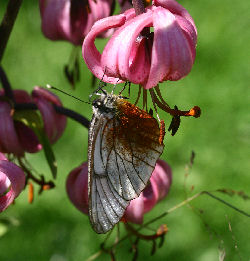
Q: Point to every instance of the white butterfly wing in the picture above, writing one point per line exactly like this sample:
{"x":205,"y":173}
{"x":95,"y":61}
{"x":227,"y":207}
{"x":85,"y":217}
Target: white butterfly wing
{"x":131,"y":156}
{"x":106,"y":206}
{"x":121,"y":161}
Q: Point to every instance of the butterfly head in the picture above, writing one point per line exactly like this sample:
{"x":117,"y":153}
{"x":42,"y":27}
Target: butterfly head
{"x":106,"y":103}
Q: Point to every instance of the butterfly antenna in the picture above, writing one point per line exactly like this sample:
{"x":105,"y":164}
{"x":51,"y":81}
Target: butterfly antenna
{"x":101,"y":88}
{"x":54,"y":88}
{"x":129,"y":85}
{"x":102,"y":84}
{"x":126,"y":83}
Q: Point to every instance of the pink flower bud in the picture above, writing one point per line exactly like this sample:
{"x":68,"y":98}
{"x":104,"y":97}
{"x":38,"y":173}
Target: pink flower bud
{"x":71,"y":20}
{"x":77,"y":187}
{"x":27,"y":138}
{"x":157,"y":189}
{"x":54,"y":123}
{"x":166,"y":54}
{"x":12,"y":182}
{"x":162,"y":178}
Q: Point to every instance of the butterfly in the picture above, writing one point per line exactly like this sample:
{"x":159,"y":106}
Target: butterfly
{"x":123,"y":147}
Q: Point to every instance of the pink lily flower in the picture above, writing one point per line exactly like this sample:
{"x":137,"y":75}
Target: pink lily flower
{"x":12,"y":182}
{"x":16,"y":137}
{"x":71,"y":20}
{"x":166,"y":54}
{"x":156,"y":190}
{"x":77,"y":187}
{"x":54,"y":123}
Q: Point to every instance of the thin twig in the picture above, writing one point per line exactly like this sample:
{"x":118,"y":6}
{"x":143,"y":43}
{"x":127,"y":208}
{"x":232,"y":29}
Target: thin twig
{"x":138,"y":6}
{"x":59,"y":109}
{"x":7,"y":23}
{"x":40,"y":182}
{"x":6,"y":84}
{"x":159,"y":217}
{"x":140,"y":9}
{"x":183,"y":203}
{"x":226,"y":203}
{"x":145,"y":237}
{"x":94,"y":256}
{"x":73,"y":115}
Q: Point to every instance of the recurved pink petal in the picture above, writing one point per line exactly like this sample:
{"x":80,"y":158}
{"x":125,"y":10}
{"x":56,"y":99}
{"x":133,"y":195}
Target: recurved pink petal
{"x":125,"y":55}
{"x":8,"y":136}
{"x":4,"y":181}
{"x":56,"y":19}
{"x":77,"y":187}
{"x":27,"y":138}
{"x":2,"y":156}
{"x":172,"y":57}
{"x":6,"y":198}
{"x":99,"y":9}
{"x":14,"y":176}
{"x":189,"y":29}
{"x":54,"y":123}
{"x":71,"y":20}
{"x":150,"y":195}
{"x":91,"y":55}
{"x":76,"y":21}
{"x":22,"y":96}
{"x":42,"y":5}
{"x":135,"y":210}
{"x":4,"y":184}
{"x":162,"y":178}
{"x":175,"y":8}
{"x":184,"y":19}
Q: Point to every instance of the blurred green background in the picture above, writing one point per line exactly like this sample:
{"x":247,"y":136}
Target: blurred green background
{"x":52,"y":229}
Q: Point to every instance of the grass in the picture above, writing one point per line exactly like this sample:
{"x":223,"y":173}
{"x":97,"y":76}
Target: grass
{"x":52,"y":229}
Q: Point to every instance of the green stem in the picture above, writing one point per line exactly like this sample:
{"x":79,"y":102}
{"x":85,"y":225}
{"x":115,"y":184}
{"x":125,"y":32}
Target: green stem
{"x":226,"y":203}
{"x":94,"y":256}
{"x":183,"y":203}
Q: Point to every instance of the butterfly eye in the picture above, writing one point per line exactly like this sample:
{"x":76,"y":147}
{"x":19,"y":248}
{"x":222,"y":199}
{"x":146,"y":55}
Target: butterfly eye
{"x":97,"y":104}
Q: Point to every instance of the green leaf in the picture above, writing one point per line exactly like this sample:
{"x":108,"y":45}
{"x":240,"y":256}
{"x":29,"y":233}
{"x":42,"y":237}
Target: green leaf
{"x":32,"y":119}
{"x":49,"y":154}
{"x":29,"y":118}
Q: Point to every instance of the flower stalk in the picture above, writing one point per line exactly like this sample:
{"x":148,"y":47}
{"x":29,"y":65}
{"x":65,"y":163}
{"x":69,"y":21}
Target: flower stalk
{"x":32,"y":106}
{"x":181,"y":204}
{"x":5,"y":82}
{"x":41,"y":182}
{"x":161,"y":231}
{"x":7,"y":23}
{"x":59,"y":109}
{"x":138,"y":6}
